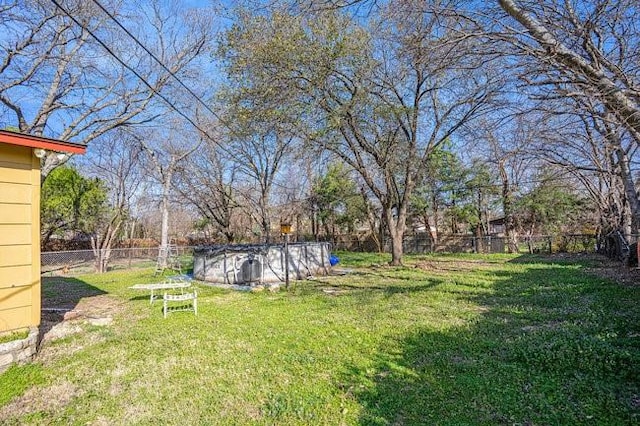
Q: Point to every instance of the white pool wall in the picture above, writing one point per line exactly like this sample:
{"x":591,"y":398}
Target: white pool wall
{"x":233,"y":265}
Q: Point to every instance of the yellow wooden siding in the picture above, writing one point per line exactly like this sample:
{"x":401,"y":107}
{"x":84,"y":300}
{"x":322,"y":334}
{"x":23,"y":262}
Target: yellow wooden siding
{"x":16,"y":154}
{"x":15,"y":213}
{"x":15,"y":173}
{"x":13,"y":319}
{"x":19,"y":238}
{"x":10,"y":255}
{"x":35,"y":241}
{"x":15,"y":234}
{"x":15,"y":193}
{"x":15,"y":297}
{"x":15,"y":276}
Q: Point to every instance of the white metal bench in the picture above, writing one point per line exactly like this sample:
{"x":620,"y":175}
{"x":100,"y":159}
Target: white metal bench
{"x":169,"y":285}
{"x":188,"y":302}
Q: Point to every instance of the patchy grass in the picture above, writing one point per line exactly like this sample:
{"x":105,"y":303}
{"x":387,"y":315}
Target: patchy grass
{"x":15,"y":335}
{"x":444,"y":340}
{"x":17,"y":379}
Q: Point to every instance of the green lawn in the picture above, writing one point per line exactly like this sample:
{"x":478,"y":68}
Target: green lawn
{"x":448,"y":340}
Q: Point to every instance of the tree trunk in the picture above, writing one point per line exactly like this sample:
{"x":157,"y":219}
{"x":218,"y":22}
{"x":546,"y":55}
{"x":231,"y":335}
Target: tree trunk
{"x":95,"y":247}
{"x":479,"y":239}
{"x":327,"y":231}
{"x":629,"y":188}
{"x":314,"y":224}
{"x":431,"y":230}
{"x":266,"y":229}
{"x":479,"y":231}
{"x":265,"y":223}
{"x":334,"y":237}
{"x":99,"y":261}
{"x":509,"y":227}
{"x":164,"y":229}
{"x":530,"y":240}
{"x":396,"y":248}
{"x":507,"y":208}
{"x":101,"y":246}
{"x":374,"y":228}
{"x":435,"y":236}
{"x":396,"y":227}
{"x":454,"y":220}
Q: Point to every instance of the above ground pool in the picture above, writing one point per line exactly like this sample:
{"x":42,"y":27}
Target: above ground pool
{"x":259,"y":264}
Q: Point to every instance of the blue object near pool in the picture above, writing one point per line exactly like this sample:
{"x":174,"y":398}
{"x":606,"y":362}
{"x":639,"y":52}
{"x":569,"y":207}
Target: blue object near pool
{"x":333,"y":260}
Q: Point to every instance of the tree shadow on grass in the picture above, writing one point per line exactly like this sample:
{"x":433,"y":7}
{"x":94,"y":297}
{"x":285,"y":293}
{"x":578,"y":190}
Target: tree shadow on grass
{"x":576,"y":259}
{"x":369,"y":291}
{"x":551,"y":346}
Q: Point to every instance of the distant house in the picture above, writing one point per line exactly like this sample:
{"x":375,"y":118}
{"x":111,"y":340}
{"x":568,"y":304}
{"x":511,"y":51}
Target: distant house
{"x":20,"y":226}
{"x":497,"y":226}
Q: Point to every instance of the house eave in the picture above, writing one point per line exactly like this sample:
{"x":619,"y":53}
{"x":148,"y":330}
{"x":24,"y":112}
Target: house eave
{"x":14,"y":138}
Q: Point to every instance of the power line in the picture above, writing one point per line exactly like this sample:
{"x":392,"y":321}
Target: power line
{"x":146,"y":83}
{"x":155,"y":58}
{"x":153,"y":89}
{"x":203,"y":103}
{"x":132,"y":70}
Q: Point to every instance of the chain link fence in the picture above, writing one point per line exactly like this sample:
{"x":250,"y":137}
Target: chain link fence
{"x":423,"y":243}
{"x":83,"y":261}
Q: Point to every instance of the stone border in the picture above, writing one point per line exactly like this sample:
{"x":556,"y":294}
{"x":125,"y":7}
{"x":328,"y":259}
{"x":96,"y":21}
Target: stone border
{"x":19,"y":351}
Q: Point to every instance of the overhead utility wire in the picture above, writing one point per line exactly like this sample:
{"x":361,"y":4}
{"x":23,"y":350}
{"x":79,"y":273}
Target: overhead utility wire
{"x":153,"y":89}
{"x":146,"y":83}
{"x":155,"y":58}
{"x":160,"y":95}
{"x":190,"y":91}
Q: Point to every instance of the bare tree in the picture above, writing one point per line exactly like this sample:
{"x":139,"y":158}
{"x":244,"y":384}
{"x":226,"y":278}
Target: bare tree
{"x":259,"y":142}
{"x":166,"y":149}
{"x":207,"y":181}
{"x":116,"y":161}
{"x":587,"y":52}
{"x":593,"y":48}
{"x":599,"y":155}
{"x":381,"y":100}
{"x":506,"y":146}
{"x":57,"y":80}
